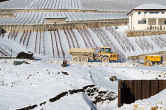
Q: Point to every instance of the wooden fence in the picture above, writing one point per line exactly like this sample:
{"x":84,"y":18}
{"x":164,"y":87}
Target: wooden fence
{"x":131,"y":90}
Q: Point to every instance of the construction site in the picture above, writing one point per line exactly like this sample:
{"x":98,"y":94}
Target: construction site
{"x":86,"y":40}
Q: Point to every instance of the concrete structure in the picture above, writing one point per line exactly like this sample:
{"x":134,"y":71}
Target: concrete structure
{"x":54,"y":20}
{"x":148,"y":17}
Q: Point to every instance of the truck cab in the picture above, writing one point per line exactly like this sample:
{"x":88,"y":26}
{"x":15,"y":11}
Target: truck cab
{"x":106,"y":52}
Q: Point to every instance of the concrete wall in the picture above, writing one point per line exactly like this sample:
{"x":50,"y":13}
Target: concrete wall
{"x":6,"y":15}
{"x":134,"y":17}
{"x":53,"y":21}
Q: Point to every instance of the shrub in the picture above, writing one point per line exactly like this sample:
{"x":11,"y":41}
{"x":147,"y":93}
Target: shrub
{"x":23,"y":55}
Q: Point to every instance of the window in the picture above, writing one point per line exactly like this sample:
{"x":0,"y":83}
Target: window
{"x":145,"y":12}
{"x":154,"y":12}
{"x":141,"y":22}
{"x":107,"y":50}
{"x":151,"y":12}
{"x":139,"y":13}
{"x":102,"y":50}
{"x":162,"y":12}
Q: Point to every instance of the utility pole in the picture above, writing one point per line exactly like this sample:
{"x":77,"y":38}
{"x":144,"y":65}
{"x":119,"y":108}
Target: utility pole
{"x":11,"y":50}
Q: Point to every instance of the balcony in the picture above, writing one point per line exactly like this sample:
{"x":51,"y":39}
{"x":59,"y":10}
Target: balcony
{"x":163,"y":27}
{"x":148,"y":27}
{"x":155,"y":27}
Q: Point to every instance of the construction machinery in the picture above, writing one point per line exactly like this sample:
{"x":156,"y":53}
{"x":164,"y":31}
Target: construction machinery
{"x":85,"y":54}
{"x":153,"y":59}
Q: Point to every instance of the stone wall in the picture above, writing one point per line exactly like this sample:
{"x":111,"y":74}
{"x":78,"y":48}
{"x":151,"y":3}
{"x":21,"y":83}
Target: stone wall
{"x":134,"y":33}
{"x":163,"y":53}
{"x":74,"y":25}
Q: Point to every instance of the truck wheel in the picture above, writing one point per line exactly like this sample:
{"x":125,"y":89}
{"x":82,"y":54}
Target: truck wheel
{"x":105,"y":59}
{"x":75,"y":58}
{"x":84,"y":59}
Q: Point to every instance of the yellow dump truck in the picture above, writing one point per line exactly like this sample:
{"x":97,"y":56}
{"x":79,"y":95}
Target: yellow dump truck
{"x":153,"y":59}
{"x":85,"y":54}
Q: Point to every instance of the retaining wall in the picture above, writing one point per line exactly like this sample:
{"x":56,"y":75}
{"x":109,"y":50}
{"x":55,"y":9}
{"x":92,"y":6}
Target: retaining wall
{"x":134,"y":33}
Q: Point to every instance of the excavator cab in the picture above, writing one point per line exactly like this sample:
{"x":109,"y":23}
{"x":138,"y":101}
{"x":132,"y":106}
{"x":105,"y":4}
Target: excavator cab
{"x":105,"y":50}
{"x":107,"y":55}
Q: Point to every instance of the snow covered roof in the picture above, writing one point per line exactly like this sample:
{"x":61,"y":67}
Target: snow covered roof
{"x":151,"y":6}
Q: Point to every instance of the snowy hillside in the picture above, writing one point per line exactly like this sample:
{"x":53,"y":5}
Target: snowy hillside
{"x":55,"y":4}
{"x":38,"y":17}
{"x":116,"y":5}
{"x":15,"y":4}
{"x":100,"y":5}
{"x":55,"y":44}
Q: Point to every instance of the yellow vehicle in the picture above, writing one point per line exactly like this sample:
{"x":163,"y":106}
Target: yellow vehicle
{"x":153,"y":59}
{"x":105,"y":55}
{"x":85,"y":54}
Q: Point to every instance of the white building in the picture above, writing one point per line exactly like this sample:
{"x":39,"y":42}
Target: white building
{"x":148,"y":17}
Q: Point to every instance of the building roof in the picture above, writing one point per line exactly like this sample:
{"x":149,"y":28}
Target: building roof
{"x":149,"y":7}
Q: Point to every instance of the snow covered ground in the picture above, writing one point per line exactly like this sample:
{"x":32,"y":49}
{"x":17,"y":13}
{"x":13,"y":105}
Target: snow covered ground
{"x":37,"y":82}
{"x":46,"y":85}
{"x":158,"y":102}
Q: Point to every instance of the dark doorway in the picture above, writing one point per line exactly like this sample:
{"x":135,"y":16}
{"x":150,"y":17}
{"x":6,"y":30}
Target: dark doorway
{"x":2,"y":31}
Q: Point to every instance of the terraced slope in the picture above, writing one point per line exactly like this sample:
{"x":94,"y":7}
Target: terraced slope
{"x":38,"y":17}
{"x":55,"y":44}
{"x":100,"y":5}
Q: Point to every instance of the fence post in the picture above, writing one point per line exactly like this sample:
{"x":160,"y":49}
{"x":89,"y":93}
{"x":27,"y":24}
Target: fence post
{"x":154,"y":87}
{"x":120,"y":82}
